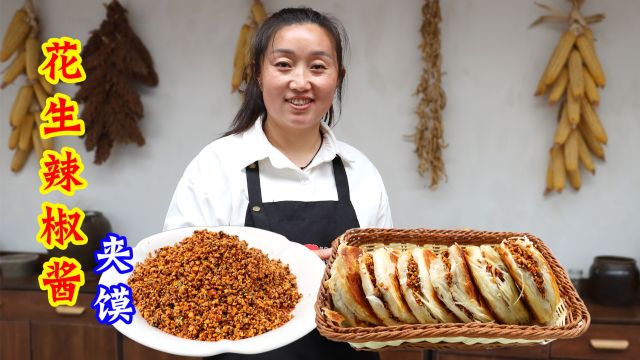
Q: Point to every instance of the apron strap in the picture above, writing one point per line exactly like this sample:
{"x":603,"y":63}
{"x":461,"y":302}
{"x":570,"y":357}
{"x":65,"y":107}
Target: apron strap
{"x":259,"y":216}
{"x":342,"y":183}
{"x":253,"y":184}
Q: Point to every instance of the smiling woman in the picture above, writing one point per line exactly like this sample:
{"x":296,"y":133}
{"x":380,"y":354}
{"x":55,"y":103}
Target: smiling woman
{"x":280,"y":167}
{"x":296,"y":71}
{"x":298,"y":81}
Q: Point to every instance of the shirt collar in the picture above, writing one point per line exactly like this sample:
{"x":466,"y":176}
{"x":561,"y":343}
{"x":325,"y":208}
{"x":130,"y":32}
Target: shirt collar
{"x":261,"y":148}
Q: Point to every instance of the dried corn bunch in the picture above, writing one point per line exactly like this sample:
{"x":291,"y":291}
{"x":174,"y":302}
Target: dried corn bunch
{"x":572,"y":78}
{"x":112,"y":57}
{"x":429,"y":135}
{"x":241,"y":58}
{"x":21,"y":41}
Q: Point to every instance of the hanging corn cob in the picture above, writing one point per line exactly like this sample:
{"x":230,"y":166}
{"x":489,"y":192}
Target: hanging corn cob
{"x":429,"y":135}
{"x":572,"y":77}
{"x":16,"y":34}
{"x":241,"y":58}
{"x":21,"y":42}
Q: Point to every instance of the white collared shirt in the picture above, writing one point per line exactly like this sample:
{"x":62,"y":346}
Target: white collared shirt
{"x":213,"y":188}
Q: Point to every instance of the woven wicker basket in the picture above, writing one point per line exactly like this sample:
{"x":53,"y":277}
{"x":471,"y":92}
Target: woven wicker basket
{"x":572,"y":316}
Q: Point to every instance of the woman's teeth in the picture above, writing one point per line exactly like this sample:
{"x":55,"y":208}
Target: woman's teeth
{"x":299,"y":101}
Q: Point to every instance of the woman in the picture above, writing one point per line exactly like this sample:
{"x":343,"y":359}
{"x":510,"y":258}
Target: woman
{"x":280,"y":167}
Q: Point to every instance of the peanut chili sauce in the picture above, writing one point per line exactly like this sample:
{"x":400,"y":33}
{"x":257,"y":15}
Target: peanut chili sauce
{"x":526,"y":261}
{"x":449,"y":276}
{"x":368,"y":261}
{"x":212,"y":286}
{"x":413,"y":279}
{"x":495,"y":271}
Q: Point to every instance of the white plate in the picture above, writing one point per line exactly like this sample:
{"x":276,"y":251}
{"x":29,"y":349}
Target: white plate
{"x":304,"y":264}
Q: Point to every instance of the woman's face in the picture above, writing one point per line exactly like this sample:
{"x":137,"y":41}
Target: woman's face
{"x":299,"y":76}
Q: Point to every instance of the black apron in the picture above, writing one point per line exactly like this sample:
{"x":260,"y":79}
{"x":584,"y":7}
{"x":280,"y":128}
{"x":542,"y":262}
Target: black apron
{"x":319,"y":223}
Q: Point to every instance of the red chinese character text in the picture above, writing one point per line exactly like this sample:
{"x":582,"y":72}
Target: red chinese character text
{"x":59,"y":226}
{"x":63,"y":62}
{"x":60,"y":117}
{"x":61,"y":171}
{"x":61,"y":278}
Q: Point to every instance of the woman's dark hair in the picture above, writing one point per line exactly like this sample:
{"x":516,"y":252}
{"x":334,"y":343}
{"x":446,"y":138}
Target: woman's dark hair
{"x":253,"y":106}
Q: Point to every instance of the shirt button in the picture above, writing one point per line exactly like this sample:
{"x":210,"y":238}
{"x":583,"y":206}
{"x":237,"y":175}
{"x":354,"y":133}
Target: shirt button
{"x":256,"y":208}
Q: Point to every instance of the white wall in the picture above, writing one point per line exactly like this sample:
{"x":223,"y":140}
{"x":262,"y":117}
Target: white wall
{"x":498,"y":133}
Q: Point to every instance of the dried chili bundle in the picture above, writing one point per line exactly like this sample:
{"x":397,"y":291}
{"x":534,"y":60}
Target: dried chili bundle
{"x":429,"y":135}
{"x":112,"y":57}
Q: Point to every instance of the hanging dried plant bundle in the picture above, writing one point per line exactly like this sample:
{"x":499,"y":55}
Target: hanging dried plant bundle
{"x":241,"y":57}
{"x":429,"y":135}
{"x":572,"y":77}
{"x":112,"y":57}
{"x":21,"y":43}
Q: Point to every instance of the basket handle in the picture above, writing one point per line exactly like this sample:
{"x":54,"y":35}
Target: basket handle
{"x":607,"y":344}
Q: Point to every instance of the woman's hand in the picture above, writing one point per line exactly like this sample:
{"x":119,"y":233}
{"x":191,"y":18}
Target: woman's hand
{"x":324,"y":254}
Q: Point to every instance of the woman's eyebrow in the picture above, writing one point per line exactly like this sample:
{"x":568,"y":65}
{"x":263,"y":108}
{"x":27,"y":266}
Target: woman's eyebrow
{"x":313,"y":53}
